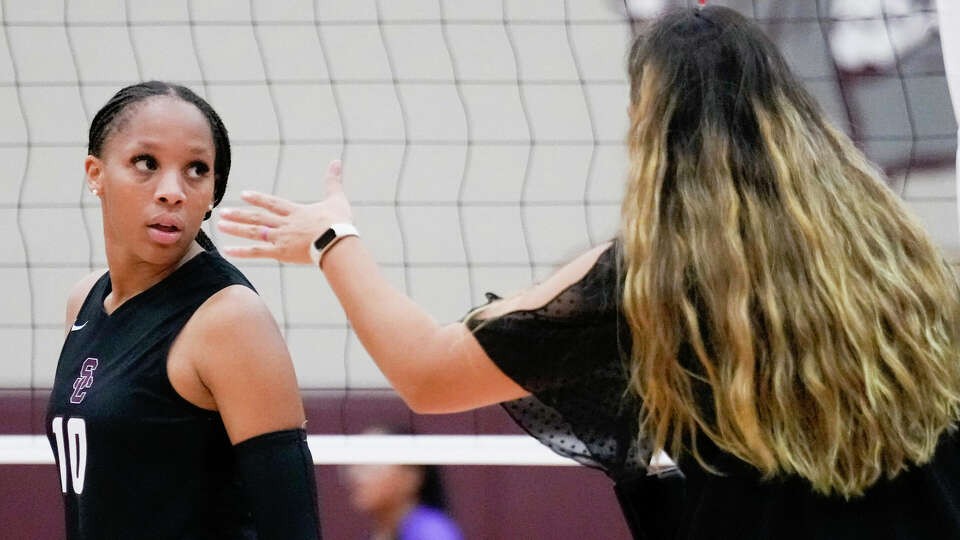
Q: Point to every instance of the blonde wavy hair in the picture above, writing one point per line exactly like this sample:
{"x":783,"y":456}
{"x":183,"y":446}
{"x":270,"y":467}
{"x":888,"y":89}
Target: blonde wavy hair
{"x":781,"y":299}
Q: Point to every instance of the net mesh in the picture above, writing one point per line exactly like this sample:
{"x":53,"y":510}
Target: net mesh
{"x":482,"y":141}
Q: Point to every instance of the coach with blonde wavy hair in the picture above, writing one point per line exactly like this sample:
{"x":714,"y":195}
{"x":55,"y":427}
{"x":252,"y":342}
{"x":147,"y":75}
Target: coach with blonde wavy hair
{"x":769,"y":314}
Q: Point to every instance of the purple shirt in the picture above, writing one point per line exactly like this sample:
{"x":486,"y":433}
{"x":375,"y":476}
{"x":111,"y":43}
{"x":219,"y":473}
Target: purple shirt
{"x":426,"y":523}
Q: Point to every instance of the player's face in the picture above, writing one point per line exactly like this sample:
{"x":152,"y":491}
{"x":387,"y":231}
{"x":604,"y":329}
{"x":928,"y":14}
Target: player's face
{"x":378,"y":488}
{"x":155,"y":180}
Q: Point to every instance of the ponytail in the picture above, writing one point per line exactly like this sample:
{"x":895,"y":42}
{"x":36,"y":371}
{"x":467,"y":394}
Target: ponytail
{"x":205,"y":241}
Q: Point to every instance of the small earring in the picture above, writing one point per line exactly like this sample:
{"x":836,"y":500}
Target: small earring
{"x":210,"y":207}
{"x":94,"y":191}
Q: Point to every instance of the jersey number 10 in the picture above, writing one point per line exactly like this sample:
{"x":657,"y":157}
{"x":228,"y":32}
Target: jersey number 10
{"x":76,"y":447}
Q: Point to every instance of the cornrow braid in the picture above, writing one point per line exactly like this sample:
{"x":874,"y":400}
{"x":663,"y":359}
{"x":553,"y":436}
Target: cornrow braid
{"x":112,"y":116}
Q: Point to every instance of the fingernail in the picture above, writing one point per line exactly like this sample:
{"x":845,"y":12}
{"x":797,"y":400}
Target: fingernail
{"x":246,"y":193}
{"x":225,"y":211}
{"x":336,"y":166}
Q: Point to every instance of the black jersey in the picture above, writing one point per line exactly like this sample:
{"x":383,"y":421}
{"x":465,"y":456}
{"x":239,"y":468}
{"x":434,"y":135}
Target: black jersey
{"x":136,"y":460}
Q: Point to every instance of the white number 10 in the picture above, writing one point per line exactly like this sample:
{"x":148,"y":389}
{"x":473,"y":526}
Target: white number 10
{"x":76,"y":444}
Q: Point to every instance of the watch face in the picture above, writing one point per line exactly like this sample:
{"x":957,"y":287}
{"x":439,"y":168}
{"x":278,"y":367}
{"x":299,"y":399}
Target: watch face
{"x":325,"y":239}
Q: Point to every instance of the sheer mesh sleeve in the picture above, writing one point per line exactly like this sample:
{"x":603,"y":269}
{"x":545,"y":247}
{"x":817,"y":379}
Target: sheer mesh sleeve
{"x":569,"y":355}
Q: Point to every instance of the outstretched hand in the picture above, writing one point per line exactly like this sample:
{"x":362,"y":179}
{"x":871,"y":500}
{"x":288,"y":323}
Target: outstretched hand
{"x":285,"y":228}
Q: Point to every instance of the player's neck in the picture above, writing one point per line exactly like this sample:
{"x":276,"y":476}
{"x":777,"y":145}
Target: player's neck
{"x":130,"y":276}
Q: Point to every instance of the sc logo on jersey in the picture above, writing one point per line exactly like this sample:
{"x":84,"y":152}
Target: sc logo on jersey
{"x":84,"y":381}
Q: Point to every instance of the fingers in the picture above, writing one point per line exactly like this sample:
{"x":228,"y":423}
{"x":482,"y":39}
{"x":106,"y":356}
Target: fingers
{"x":277,"y":205}
{"x":263,"y":251}
{"x":251,"y":217}
{"x":334,"y":179}
{"x":253,"y":232}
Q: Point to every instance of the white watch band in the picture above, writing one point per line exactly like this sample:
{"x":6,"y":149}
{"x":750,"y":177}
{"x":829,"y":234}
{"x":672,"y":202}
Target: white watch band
{"x":331,"y":236}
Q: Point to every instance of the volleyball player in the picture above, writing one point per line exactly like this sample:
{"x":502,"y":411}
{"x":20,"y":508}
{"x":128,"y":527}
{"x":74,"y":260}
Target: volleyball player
{"x":769,"y":313}
{"x":175,"y":412}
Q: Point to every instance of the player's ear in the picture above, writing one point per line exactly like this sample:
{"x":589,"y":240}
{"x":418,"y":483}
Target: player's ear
{"x":93,"y":166}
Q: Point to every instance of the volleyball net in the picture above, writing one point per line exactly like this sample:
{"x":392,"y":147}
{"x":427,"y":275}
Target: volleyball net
{"x":483,"y":145}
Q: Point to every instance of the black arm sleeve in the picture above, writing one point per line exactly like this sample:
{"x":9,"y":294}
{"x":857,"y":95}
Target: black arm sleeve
{"x":278,"y":485}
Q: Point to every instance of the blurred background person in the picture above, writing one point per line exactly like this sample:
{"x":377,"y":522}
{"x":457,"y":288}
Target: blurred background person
{"x":406,"y":502}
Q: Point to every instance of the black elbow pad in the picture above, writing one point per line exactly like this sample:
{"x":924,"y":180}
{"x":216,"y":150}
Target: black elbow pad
{"x":276,"y":473}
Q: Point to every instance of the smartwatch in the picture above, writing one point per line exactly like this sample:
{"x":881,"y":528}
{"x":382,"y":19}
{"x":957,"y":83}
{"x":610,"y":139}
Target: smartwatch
{"x":330,"y":237}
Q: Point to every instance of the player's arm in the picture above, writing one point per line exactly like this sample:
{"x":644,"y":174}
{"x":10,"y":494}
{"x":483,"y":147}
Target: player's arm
{"x":238,"y":354}
{"x":78,"y":293}
{"x":240,"y":357}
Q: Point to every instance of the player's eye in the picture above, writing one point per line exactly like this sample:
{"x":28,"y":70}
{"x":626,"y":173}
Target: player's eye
{"x":198,"y":169}
{"x":144,"y":163}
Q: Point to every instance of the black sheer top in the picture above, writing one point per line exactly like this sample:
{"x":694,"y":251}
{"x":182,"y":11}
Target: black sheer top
{"x":571,"y":355}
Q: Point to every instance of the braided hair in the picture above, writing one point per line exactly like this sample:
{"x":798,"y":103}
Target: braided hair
{"x":118,"y":110}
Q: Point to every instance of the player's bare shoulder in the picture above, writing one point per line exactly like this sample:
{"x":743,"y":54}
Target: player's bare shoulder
{"x":231,"y":310}
{"x":78,"y":293}
{"x":230,"y":322}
